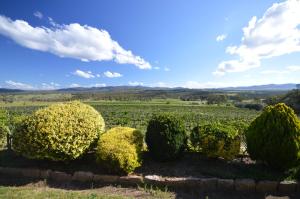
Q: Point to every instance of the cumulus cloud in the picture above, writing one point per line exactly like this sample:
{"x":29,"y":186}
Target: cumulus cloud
{"x":274,"y":72}
{"x":160,"y":84}
{"x":98,"y":85}
{"x":74,"y":85}
{"x":50,"y":86}
{"x":135,"y":83}
{"x":18,"y":85}
{"x":112,"y":74}
{"x":87,"y":74}
{"x":77,"y":41}
{"x":287,"y":70}
{"x":276,"y":33}
{"x":200,"y":85}
{"x":38,"y":14}
{"x":167,"y":69}
{"x":293,"y":68}
{"x":221,"y":37}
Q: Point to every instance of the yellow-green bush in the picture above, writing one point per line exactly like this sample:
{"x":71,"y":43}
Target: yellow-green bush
{"x":215,"y":140}
{"x":4,"y":130}
{"x":119,"y":149}
{"x":60,"y":132}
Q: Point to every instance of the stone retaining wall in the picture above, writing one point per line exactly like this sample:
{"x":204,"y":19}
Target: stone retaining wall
{"x":204,"y":184}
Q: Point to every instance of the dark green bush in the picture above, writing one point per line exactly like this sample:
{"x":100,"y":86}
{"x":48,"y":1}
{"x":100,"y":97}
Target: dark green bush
{"x":119,"y":149}
{"x":166,"y":137}
{"x":215,"y":140}
{"x":274,"y":137}
{"x":59,"y":132}
{"x":251,"y":106}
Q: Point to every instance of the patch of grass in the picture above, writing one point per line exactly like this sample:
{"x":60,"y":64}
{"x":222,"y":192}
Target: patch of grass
{"x":42,"y":193}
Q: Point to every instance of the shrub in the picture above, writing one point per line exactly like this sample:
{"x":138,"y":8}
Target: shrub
{"x":257,"y":107}
{"x":274,"y":137}
{"x":215,"y":140}
{"x":251,"y":106}
{"x":4,"y":130}
{"x":3,"y":136}
{"x":165,"y":137}
{"x":119,"y":149}
{"x":60,"y":132}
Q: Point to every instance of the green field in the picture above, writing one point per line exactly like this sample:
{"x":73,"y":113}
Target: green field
{"x":137,"y":113}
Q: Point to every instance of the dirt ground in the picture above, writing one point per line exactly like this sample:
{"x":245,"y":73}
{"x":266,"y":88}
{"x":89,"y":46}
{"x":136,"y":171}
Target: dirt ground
{"x":134,"y":192}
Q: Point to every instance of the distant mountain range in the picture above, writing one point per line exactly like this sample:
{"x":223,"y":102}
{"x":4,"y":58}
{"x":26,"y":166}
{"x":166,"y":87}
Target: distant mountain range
{"x":267,"y":87}
{"x":8,"y":90}
{"x":264,"y":87}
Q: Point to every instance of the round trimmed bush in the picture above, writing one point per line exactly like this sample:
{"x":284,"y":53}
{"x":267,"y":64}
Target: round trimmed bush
{"x":119,"y":149}
{"x":60,"y":132}
{"x":215,"y":140}
{"x":166,"y":137}
{"x":274,"y":137}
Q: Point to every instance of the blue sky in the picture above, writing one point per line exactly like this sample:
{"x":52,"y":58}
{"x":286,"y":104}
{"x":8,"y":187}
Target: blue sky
{"x":170,"y":43}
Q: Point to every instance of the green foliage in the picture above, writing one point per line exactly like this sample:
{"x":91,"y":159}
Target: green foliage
{"x":60,"y":132}
{"x":216,"y":99}
{"x":215,"y":140}
{"x":119,"y":149}
{"x":274,"y":137}
{"x":292,"y":99}
{"x":4,"y":128}
{"x":166,"y":137}
{"x":253,"y":106}
{"x":136,"y":114}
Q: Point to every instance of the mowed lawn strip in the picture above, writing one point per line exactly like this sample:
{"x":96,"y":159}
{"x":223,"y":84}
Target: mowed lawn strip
{"x":108,"y":192}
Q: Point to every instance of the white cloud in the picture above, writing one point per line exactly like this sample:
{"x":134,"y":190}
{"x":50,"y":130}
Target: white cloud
{"x":18,"y":85}
{"x":167,"y":69}
{"x":74,"y":41}
{"x":200,"y":85}
{"x":98,"y":75}
{"x":87,"y":74}
{"x":74,"y":85}
{"x":38,"y":14}
{"x":54,"y":24}
{"x":98,"y":85}
{"x":160,"y":84}
{"x":50,"y":86}
{"x":112,"y":74}
{"x":293,"y":68}
{"x":156,"y":68}
{"x":274,"y":72}
{"x":135,"y":83}
{"x":288,"y":70}
{"x":276,"y":33}
{"x":221,"y":37}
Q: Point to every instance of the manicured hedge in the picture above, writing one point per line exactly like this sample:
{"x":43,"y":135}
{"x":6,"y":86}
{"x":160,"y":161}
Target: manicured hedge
{"x":60,"y":132}
{"x":215,"y":140}
{"x":274,"y":137}
{"x":119,"y":149}
{"x":166,"y":137}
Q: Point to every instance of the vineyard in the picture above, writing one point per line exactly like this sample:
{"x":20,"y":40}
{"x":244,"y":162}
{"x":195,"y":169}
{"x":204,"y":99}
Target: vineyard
{"x":136,"y":114}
